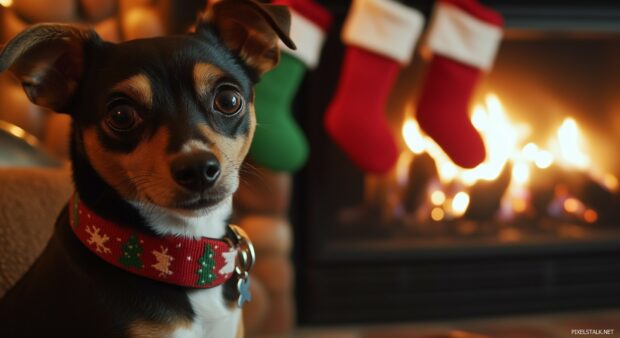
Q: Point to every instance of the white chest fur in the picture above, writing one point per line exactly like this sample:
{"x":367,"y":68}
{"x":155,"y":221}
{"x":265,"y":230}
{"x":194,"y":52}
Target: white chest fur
{"x":215,"y":317}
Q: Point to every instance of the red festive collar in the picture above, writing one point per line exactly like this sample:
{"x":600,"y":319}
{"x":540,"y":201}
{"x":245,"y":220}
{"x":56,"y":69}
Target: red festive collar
{"x":199,"y":263}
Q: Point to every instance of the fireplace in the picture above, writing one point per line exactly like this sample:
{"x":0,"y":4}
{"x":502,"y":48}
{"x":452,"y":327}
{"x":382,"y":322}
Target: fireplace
{"x":535,"y":228}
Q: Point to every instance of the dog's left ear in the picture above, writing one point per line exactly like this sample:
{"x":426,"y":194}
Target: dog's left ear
{"x":48,"y":60}
{"x":251,"y":30}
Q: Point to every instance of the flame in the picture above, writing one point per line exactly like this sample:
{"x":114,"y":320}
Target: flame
{"x":413,"y":137}
{"x":402,"y":168}
{"x":419,"y":143}
{"x":6,"y":3}
{"x":460,"y":202}
{"x":569,"y":140}
{"x":501,"y":138}
{"x":544,"y":159}
{"x":530,"y":151}
{"x":610,"y":182}
{"x":521,"y":173}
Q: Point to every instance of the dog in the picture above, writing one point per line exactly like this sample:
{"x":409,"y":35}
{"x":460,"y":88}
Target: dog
{"x":160,"y":128}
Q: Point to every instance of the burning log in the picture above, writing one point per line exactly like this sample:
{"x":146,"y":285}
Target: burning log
{"x":579,"y":184}
{"x":543,"y":185}
{"x":486,"y":196}
{"x":594,"y":195}
{"x":421,"y":172}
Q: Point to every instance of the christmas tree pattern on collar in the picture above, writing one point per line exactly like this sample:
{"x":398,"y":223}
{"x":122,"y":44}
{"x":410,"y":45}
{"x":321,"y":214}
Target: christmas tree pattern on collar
{"x":194,"y":263}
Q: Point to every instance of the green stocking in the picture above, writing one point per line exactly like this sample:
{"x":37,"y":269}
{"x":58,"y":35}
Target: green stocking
{"x":279,"y":144}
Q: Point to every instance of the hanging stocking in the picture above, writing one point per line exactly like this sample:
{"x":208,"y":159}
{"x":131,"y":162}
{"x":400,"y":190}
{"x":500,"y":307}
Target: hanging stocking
{"x":464,"y":37}
{"x":380,"y":36}
{"x":279,"y":144}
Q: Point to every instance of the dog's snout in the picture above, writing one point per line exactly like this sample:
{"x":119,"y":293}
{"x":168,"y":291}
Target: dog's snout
{"x":196,"y":172}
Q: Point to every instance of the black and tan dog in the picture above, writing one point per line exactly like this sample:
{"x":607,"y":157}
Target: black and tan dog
{"x":160,"y":129}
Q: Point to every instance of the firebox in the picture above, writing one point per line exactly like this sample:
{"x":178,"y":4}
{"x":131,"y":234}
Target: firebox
{"x":535,"y":228}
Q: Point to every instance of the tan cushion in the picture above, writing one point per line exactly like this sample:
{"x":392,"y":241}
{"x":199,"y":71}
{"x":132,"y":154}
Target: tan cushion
{"x":30,"y":201}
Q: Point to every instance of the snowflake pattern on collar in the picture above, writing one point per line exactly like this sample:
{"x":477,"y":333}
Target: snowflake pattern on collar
{"x":195,"y":263}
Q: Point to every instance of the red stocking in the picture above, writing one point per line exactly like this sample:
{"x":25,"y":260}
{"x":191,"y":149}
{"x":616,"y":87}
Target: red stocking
{"x":380,"y":37}
{"x":464,"y":37}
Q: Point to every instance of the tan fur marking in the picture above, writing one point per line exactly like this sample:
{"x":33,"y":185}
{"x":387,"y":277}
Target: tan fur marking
{"x":205,"y":76}
{"x":142,"y":175}
{"x":145,"y":329}
{"x":194,"y":145}
{"x":230,"y":151}
{"x":138,"y":87}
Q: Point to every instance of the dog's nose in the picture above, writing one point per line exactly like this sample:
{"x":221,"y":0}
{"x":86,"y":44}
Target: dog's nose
{"x":196,"y":172}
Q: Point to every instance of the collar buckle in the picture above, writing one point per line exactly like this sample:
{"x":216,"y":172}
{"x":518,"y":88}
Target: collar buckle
{"x":246,"y":257}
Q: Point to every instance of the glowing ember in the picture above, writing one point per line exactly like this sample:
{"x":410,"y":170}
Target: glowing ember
{"x":590,"y":216}
{"x":437,"y":214}
{"x":572,"y":205}
{"x":438,"y":197}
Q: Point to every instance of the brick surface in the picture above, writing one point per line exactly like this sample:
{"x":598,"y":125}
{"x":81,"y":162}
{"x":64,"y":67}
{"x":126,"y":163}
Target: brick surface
{"x":255,"y":311}
{"x":276,"y":274}
{"x":263,"y":192}
{"x":270,"y":235}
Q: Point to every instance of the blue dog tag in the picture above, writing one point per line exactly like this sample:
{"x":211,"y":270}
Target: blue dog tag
{"x":243,"y":286}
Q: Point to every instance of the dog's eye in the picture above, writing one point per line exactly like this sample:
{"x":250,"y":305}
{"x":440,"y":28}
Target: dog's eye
{"x":228,"y":101}
{"x":122,"y":118}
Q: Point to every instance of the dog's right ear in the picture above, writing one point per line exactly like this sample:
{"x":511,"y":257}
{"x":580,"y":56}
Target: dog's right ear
{"x":251,"y":30}
{"x":48,"y":60}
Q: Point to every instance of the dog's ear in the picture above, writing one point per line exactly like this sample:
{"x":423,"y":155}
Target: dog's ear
{"x":48,"y":60}
{"x":251,"y":30}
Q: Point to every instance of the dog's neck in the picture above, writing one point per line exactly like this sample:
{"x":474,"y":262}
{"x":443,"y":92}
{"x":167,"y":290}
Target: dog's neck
{"x":210,"y":223}
{"x":107,"y":203}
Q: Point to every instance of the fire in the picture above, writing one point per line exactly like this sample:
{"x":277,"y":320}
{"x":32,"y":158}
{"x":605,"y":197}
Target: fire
{"x":610,"y":182}
{"x":437,"y":214}
{"x":505,"y":142}
{"x":6,"y":3}
{"x":541,"y":158}
{"x":569,"y":140}
{"x":521,"y":173}
{"x":438,"y":197}
{"x":413,"y":137}
{"x":501,"y":138}
{"x":460,"y":202}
